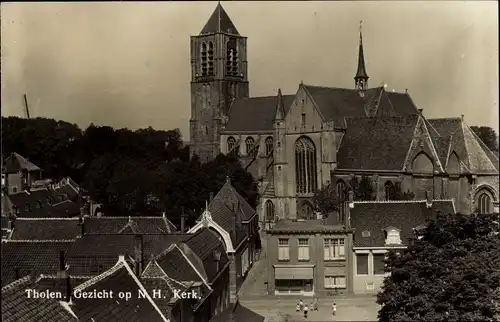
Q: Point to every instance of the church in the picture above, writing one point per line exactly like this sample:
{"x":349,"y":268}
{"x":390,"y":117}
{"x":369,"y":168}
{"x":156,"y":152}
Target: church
{"x":294,"y":144}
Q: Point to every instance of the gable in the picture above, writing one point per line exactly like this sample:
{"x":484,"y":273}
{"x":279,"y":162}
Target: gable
{"x":302,"y":109}
{"x":453,"y":165}
{"x":422,"y":164}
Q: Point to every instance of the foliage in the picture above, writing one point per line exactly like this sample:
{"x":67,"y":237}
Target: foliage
{"x":396,"y":193}
{"x":326,"y":199}
{"x":362,"y":189}
{"x":450,"y":274}
{"x":487,"y":135}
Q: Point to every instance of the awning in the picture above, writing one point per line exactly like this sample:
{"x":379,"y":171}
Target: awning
{"x":293,"y":273}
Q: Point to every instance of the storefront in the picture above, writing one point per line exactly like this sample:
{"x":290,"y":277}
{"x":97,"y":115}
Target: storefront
{"x":294,"y":280}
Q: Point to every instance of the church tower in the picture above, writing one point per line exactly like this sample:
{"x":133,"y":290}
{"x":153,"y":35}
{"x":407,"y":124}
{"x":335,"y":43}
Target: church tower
{"x":218,"y":76}
{"x":361,"y":78}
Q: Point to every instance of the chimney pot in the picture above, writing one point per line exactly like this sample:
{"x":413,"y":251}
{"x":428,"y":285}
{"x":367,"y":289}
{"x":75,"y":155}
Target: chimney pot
{"x":462,"y":117}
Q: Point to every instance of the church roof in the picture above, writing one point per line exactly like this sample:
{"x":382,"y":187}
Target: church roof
{"x":219,"y":21}
{"x":256,"y":113}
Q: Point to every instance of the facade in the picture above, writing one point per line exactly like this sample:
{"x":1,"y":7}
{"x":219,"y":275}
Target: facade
{"x":295,"y":144}
{"x":309,"y":257}
{"x":18,"y":174}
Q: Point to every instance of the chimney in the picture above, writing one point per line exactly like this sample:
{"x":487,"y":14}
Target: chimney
{"x":138,"y":255}
{"x":183,"y":222}
{"x":462,"y":117}
{"x":68,"y":289}
{"x":406,"y":90}
{"x":228,"y":180}
{"x":428,"y":199}
{"x":63,"y":272}
{"x":211,"y":197}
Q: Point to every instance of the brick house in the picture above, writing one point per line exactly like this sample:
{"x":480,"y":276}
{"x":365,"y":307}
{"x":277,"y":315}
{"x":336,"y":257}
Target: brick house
{"x":308,"y":257}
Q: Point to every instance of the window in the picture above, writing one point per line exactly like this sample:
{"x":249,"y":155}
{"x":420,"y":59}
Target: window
{"x":38,"y":204}
{"x":334,"y":249}
{"x":341,"y":194}
{"x":3,"y":179}
{"x":231,"y":142}
{"x":250,"y":144}
{"x":14,"y":189}
{"x":303,"y":249}
{"x":378,"y":264}
{"x":388,"y":187}
{"x":231,"y":58}
{"x":335,"y":281}
{"x":283,"y":249}
{"x":203,"y":59}
{"x":269,"y":145}
{"x":392,"y":237}
{"x":210,"y":58}
{"x":362,"y":264}
{"x":269,"y":211}
{"x":303,"y":120}
{"x":305,"y":166}
{"x":484,"y":203}
{"x":306,"y":211}
{"x":27,"y":207}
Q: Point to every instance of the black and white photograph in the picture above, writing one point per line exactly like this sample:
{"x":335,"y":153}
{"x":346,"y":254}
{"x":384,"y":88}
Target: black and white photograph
{"x":250,"y":161}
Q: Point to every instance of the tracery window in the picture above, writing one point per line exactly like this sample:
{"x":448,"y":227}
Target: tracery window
{"x":231,"y":58}
{"x":306,"y":211}
{"x":269,"y":211}
{"x":269,"y":145}
{"x":250,"y":144}
{"x":231,"y":142}
{"x":388,"y":190}
{"x":305,"y":166}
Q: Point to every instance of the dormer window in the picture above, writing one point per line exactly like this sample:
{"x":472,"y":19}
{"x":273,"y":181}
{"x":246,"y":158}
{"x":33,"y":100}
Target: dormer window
{"x":392,"y":236}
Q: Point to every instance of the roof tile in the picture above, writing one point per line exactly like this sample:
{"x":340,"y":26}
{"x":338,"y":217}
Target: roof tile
{"x":45,"y":229}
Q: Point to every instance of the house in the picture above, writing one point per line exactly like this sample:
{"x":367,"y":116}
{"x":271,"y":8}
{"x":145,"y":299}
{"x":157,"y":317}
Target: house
{"x":236,"y":224}
{"x":45,"y":229}
{"x":308,"y":257}
{"x":380,"y":226}
{"x":130,"y":225}
{"x":18,"y":173}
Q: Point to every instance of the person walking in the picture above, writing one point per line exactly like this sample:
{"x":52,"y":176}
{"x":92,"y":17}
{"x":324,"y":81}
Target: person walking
{"x":301,"y":305}
{"x":297,"y":308}
{"x":306,"y":310}
{"x":334,"y":308}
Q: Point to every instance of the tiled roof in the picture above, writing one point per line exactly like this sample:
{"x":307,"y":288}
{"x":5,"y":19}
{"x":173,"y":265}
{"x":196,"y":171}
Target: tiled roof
{"x":234,"y":200}
{"x":204,"y":243}
{"x":15,"y":162}
{"x":177,"y":266}
{"x":114,"y":225}
{"x":375,"y":216}
{"x":256,"y":113}
{"x":120,"y":278}
{"x":238,"y":313}
{"x":16,"y":306}
{"x":219,"y":21}
{"x":376,"y":143}
{"x":42,"y":203}
{"x":54,"y":283}
{"x":31,"y":257}
{"x":46,"y":229}
{"x":67,"y":190}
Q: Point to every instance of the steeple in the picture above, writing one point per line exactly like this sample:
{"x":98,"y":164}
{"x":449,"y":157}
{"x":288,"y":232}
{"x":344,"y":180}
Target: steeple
{"x":279,"y":108}
{"x":219,"y":22}
{"x":361,"y":78}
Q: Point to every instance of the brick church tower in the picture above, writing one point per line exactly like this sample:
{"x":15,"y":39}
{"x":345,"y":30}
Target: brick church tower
{"x":218,"y":76}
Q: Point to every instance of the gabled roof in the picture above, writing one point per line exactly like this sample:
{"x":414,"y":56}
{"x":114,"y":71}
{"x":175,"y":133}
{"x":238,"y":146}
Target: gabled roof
{"x":114,"y":225}
{"x":219,"y":21}
{"x":45,"y":229}
{"x":119,"y":278}
{"x":256,"y":113}
{"x":15,"y":162}
{"x":376,"y":216}
{"x":453,"y":135}
{"x":17,"y":306}
{"x":376,"y":143}
{"x":177,"y":266}
{"x":31,"y":257}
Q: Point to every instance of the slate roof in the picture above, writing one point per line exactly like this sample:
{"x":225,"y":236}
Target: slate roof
{"x":42,"y":203}
{"x":177,"y":266}
{"x":219,"y":21}
{"x":31,"y":257}
{"x":85,"y":260}
{"x":376,"y":143}
{"x":238,"y":313}
{"x":120,"y":278}
{"x":114,"y":225}
{"x":376,"y":216}
{"x":256,"y":113}
{"x":453,"y":135}
{"x":16,"y":306}
{"x":15,"y":163}
{"x":46,"y":229}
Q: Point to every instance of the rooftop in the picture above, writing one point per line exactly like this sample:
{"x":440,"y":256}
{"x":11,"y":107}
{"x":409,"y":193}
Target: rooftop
{"x":306,"y":226}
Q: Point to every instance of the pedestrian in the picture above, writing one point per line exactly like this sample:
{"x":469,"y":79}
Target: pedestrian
{"x":301,"y":304}
{"x":316,"y":304}
{"x":334,"y":307}
{"x":306,"y":309}
{"x":297,"y":308}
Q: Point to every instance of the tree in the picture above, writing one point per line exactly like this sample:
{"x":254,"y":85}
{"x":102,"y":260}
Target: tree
{"x":362,"y":189}
{"x":487,"y":135}
{"x":326,"y":199}
{"x":449,"y":274}
{"x":396,"y":193}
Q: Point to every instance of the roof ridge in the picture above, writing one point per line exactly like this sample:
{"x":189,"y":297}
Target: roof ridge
{"x":38,"y":241}
{"x":54,"y":276}
{"x":119,"y":264}
{"x":48,"y":218}
{"x":16,"y":283}
{"x":399,"y":201}
{"x":133,"y":217}
{"x":328,"y":87}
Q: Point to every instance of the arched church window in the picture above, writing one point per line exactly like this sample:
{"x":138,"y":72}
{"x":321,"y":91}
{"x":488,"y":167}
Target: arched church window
{"x":388,"y":187}
{"x":484,"y":202}
{"x":210,"y":58}
{"x":341,"y":195}
{"x":232,"y":58}
{"x":306,"y":211}
{"x":269,"y":211}
{"x":231,"y":142}
{"x":269,"y":145}
{"x":305,"y":165}
{"x":204,"y":59}
{"x":250,"y":144}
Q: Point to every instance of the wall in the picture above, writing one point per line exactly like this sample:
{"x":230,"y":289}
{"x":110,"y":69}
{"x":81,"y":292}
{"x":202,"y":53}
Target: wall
{"x":217,"y":299}
{"x":14,"y":180}
{"x":360,"y":281}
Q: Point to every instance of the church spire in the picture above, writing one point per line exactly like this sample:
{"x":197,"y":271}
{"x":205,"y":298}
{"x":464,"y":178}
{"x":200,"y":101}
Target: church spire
{"x":361,"y":78}
{"x":219,"y":22}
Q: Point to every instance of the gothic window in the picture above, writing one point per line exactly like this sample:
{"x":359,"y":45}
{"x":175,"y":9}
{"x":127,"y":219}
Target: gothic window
{"x":231,"y":142}
{"x":231,"y":58}
{"x":269,"y":145}
{"x":305,"y":165}
{"x":484,"y":202}
{"x":388,"y":190}
{"x":203,"y":59}
{"x":210,"y":58}
{"x":250,"y":144}
{"x":27,"y":207}
{"x":269,"y":211}
{"x":306,"y":211}
{"x":341,"y":195}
